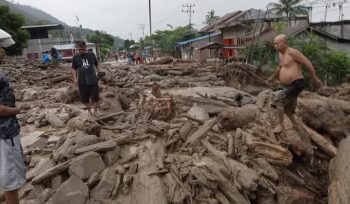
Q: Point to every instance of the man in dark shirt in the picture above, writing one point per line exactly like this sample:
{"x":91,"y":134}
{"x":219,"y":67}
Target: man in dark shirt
{"x":12,"y":168}
{"x":84,"y":71}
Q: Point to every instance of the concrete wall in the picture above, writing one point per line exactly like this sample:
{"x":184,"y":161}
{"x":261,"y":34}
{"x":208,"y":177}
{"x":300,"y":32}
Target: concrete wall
{"x":38,"y":46}
{"x":335,"y":30}
{"x":206,"y":54}
{"x":342,"y":47}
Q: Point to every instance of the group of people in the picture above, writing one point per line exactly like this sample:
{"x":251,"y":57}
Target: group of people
{"x":51,"y":56}
{"x":135,"y":57}
{"x":85,"y":73}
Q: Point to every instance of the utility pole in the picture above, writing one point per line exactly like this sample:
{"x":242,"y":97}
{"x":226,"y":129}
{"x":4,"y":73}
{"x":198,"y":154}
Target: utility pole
{"x":130,"y":34}
{"x":325,"y":15}
{"x":189,"y":10}
{"x":150,"y":25}
{"x":142,"y":27}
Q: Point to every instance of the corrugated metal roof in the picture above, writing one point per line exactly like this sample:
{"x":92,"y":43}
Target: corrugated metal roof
{"x":70,"y":46}
{"x":198,"y":38}
{"x":49,"y":26}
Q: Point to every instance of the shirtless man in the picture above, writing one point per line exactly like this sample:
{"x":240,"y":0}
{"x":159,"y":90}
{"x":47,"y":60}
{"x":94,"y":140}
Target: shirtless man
{"x":289,"y":74}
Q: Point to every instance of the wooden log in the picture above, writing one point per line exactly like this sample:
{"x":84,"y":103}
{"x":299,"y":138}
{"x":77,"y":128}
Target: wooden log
{"x":322,"y":142}
{"x":99,"y":147}
{"x":165,"y":60}
{"x":60,"y":78}
{"x":109,"y":116}
{"x":116,"y":127}
{"x":247,"y":177}
{"x":201,"y":132}
{"x":213,"y":174}
{"x":230,"y":144}
{"x":122,"y":140}
{"x":275,"y":154}
{"x":51,"y":172}
{"x":339,"y":175}
{"x":237,"y":117}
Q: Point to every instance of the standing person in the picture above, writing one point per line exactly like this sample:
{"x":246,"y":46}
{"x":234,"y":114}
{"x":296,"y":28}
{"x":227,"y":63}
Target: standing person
{"x":289,"y":74}
{"x":12,"y":168}
{"x":84,"y":70}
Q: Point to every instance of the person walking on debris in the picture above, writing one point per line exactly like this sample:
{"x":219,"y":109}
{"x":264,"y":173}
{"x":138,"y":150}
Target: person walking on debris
{"x":12,"y":167}
{"x":84,"y":70}
{"x":290,"y":76}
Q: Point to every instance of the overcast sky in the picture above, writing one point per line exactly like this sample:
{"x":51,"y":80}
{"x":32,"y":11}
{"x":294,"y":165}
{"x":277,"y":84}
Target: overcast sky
{"x":122,"y":17}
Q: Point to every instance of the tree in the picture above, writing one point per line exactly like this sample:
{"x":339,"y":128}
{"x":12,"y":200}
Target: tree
{"x":12,"y":23}
{"x":289,"y":8}
{"x":128,"y":43}
{"x":105,"y":41}
{"x":210,"y":17}
{"x":166,"y":40}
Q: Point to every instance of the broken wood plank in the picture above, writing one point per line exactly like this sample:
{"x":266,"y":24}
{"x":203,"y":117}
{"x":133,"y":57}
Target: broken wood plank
{"x":121,"y":140}
{"x":339,"y":175}
{"x":322,"y":142}
{"x":99,"y":147}
{"x":230,"y":144}
{"x":247,"y":177}
{"x":201,"y":132}
{"x":60,"y":78}
{"x":116,"y":127}
{"x":226,"y":186}
{"x":51,"y":172}
{"x":109,"y":116}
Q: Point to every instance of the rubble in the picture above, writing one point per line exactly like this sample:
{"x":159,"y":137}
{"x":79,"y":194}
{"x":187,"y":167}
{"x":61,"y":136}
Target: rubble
{"x":72,"y":191}
{"x":85,"y":165}
{"x":194,"y":136}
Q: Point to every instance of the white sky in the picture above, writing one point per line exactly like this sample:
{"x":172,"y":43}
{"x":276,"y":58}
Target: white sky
{"x":121,"y":17}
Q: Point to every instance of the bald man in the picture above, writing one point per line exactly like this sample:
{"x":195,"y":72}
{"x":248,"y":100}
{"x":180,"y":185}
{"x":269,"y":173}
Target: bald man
{"x":290,"y":76}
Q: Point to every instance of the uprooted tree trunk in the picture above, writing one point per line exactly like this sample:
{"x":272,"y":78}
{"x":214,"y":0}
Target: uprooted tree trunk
{"x":237,"y":117}
{"x":339,"y":175}
{"x":326,"y":115}
{"x":165,"y":60}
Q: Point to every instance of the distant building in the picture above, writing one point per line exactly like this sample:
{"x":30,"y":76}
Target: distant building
{"x":190,"y":49}
{"x":233,"y":30}
{"x":40,"y":41}
{"x":67,"y":51}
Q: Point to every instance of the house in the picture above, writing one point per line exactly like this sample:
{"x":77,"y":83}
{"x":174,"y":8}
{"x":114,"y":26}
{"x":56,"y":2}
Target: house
{"x":333,"y":40}
{"x":336,"y":34}
{"x":67,"y":51}
{"x":40,"y":40}
{"x":190,"y":49}
{"x":250,"y":24}
{"x":233,"y":30}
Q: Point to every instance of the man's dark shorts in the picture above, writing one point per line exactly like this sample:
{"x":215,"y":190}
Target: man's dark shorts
{"x":287,"y":95}
{"x":88,"y":92}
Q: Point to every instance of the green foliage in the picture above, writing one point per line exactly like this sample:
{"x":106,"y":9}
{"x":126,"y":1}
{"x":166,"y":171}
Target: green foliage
{"x":12,"y":23}
{"x":289,"y":8}
{"x":105,"y":41}
{"x":128,"y":43}
{"x":330,"y":66}
{"x":210,"y":17}
{"x":337,"y":66}
{"x":279,"y":27}
{"x":166,"y":40}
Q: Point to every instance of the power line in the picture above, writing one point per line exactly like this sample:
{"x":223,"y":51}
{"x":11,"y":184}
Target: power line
{"x":142,"y":27}
{"x":189,"y":10}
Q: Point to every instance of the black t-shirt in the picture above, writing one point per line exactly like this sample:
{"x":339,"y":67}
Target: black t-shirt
{"x":9,"y":126}
{"x":85,"y":64}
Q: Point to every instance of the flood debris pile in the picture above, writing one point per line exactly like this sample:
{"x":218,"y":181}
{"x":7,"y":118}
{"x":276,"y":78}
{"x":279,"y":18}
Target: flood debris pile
{"x":176,"y":134}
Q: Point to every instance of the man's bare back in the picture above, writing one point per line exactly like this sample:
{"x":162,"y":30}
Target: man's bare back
{"x":290,"y":70}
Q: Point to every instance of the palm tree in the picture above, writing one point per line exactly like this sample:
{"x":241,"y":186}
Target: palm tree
{"x":289,"y":8}
{"x":210,"y":17}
